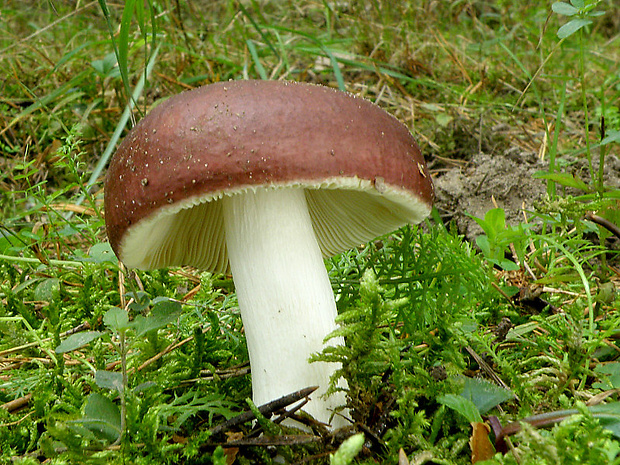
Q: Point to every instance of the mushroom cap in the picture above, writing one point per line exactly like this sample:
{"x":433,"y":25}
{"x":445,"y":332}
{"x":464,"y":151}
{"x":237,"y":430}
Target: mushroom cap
{"x":361,"y":169}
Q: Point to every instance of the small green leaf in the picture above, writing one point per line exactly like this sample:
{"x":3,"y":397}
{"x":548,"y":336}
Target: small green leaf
{"x":497,"y":238}
{"x":107,"y":67}
{"x":77,"y":340}
{"x":572,"y":26}
{"x":485,"y":247}
{"x":610,"y":378}
{"x":116,"y":319}
{"x":606,"y":294}
{"x":565,"y":9}
{"x":348,"y":450}
{"x":612,"y":136}
{"x":505,"y":264}
{"x":144,"y":386}
{"x":163,"y":313}
{"x":101,"y":417}
{"x":102,"y":429}
{"x":443,"y":119}
{"x":102,"y":253}
{"x":565,"y":179}
{"x":461,"y":405}
{"x":140,"y":301}
{"x":99,"y":407}
{"x":484,"y":394}
{"x":219,"y":456}
{"x":46,"y":290}
{"x":496,"y":217}
{"x":493,"y":223}
{"x":608,"y":416}
{"x":112,"y":380}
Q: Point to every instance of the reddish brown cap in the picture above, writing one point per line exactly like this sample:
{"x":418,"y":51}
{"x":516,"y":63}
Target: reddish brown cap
{"x":362,"y":171}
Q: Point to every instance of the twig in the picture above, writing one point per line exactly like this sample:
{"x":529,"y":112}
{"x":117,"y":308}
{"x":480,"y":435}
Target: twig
{"x":488,"y":370}
{"x":167,"y":350}
{"x":240,"y":370}
{"x":52,"y":262}
{"x":16,"y":404}
{"x":612,"y":228}
{"x":84,"y":326}
{"x":506,"y":296}
{"x":263,"y":441}
{"x":265,"y":409}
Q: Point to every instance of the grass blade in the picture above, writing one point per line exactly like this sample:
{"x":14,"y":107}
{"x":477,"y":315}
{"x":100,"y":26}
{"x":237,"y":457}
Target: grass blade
{"x":103,"y":161}
{"x":258,"y":29}
{"x":257,"y":64}
{"x":554,"y":146}
{"x":43,"y":101}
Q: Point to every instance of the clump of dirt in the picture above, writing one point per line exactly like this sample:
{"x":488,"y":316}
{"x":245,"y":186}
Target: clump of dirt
{"x":504,"y":180}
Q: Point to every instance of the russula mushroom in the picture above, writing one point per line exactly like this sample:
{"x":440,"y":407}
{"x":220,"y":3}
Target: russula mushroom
{"x":264,"y":179}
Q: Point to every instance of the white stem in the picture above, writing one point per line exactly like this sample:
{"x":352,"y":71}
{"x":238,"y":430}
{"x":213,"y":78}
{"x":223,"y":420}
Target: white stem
{"x":286,"y":301}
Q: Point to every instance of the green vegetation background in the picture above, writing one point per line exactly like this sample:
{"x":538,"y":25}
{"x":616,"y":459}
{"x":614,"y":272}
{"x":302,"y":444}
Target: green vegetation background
{"x":442,"y":334}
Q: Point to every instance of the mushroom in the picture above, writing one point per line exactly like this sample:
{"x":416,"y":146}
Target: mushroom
{"x":265,"y":179}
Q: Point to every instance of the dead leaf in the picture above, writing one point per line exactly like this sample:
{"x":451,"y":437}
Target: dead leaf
{"x":402,"y":457}
{"x":231,"y":452}
{"x":481,"y":447}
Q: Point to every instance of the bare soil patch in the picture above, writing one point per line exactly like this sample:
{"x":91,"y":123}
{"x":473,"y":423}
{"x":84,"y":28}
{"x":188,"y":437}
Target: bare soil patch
{"x":504,"y":180}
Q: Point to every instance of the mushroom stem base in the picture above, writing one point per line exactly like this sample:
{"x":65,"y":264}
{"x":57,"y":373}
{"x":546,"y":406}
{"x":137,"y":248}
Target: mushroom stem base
{"x":285,"y":297}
